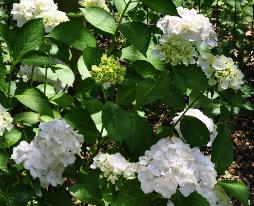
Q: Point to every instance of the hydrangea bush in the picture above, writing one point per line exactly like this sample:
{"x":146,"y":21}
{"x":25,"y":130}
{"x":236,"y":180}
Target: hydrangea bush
{"x":78,"y":85}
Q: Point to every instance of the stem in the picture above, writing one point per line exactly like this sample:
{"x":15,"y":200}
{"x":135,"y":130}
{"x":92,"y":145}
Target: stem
{"x":234,"y":28}
{"x":9,"y":85}
{"x":105,"y":94}
{"x":32,"y":76}
{"x":45,"y":80}
{"x":112,"y":45}
{"x":180,"y":118}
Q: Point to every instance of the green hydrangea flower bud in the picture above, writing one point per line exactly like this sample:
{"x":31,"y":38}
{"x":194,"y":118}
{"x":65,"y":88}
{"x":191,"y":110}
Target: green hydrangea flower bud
{"x":109,"y":72}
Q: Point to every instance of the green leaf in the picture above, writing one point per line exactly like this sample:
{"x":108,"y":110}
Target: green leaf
{"x":134,"y":131}
{"x":162,"y":6}
{"x":194,"y":132}
{"x":194,"y":199}
{"x":81,"y":120}
{"x":131,"y":194}
{"x":37,"y":59}
{"x":62,"y":99}
{"x":222,"y":149}
{"x":145,"y":69}
{"x":223,"y":198}
{"x":174,"y":98}
{"x":27,"y":118}
{"x":10,"y":138}
{"x":34,"y":99}
{"x":120,"y":5}
{"x":138,"y":34}
{"x":82,"y":68}
{"x":100,"y":19}
{"x":87,"y":189}
{"x":236,"y":189}
{"x":92,"y":56}
{"x":59,"y":197}
{"x":4,"y":157}
{"x":74,"y":34}
{"x":126,"y":94}
{"x":28,"y":38}
{"x":189,"y":77}
{"x":149,"y":91}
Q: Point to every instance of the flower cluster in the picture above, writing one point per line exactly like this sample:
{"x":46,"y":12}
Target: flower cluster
{"x":221,"y":71}
{"x":190,"y":25}
{"x":98,"y":3}
{"x":176,"y":50}
{"x":53,"y":149}
{"x":113,"y":166}
{"x":183,"y":35}
{"x":203,"y":118}
{"x":109,"y":71}
{"x":5,"y":120}
{"x":170,"y":164}
{"x":33,"y":9}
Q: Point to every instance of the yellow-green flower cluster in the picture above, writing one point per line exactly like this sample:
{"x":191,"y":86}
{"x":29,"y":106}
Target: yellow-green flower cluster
{"x":109,"y":71}
{"x":97,"y":3}
{"x":176,"y":50}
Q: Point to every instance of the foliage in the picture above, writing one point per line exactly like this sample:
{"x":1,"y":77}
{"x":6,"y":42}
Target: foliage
{"x":50,"y":75}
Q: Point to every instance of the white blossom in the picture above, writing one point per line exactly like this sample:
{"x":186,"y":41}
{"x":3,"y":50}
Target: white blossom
{"x":170,"y":164}
{"x":203,"y":118}
{"x":5,"y":120}
{"x":221,"y":71}
{"x":113,"y":166}
{"x":190,"y":25}
{"x":32,"y":9}
{"x":53,"y":149}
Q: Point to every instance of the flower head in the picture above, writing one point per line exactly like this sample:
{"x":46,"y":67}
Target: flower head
{"x":176,"y":50}
{"x":113,"y":166}
{"x":32,"y":9}
{"x":53,"y":149}
{"x":222,"y":71}
{"x":170,"y":164}
{"x":5,"y":120}
{"x":109,"y":71}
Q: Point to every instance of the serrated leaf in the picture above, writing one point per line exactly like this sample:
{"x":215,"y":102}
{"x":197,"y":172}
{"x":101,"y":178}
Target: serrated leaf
{"x":100,"y":19}
{"x":92,"y":56}
{"x":28,"y":38}
{"x":34,"y":99}
{"x":10,"y":138}
{"x":222,"y":149}
{"x":74,"y":34}
{"x":81,"y":120}
{"x":194,"y":199}
{"x":194,"y":131}
{"x":134,"y":131}
{"x":236,"y":189}
{"x":62,"y":99}
{"x":138,"y":34}
{"x":4,"y":157}
{"x":120,"y":5}
{"x":87,"y":189}
{"x":27,"y":118}
{"x":37,"y":59}
{"x":162,"y":6}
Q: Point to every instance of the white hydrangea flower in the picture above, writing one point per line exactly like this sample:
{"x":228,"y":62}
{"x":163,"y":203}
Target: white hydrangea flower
{"x":32,"y":9}
{"x":203,"y":118}
{"x":53,"y":149}
{"x":170,"y":164}
{"x":5,"y":120}
{"x":54,"y":78}
{"x":190,"y":25}
{"x":175,"y":50}
{"x":98,"y":3}
{"x":221,"y":71}
{"x":113,"y":166}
